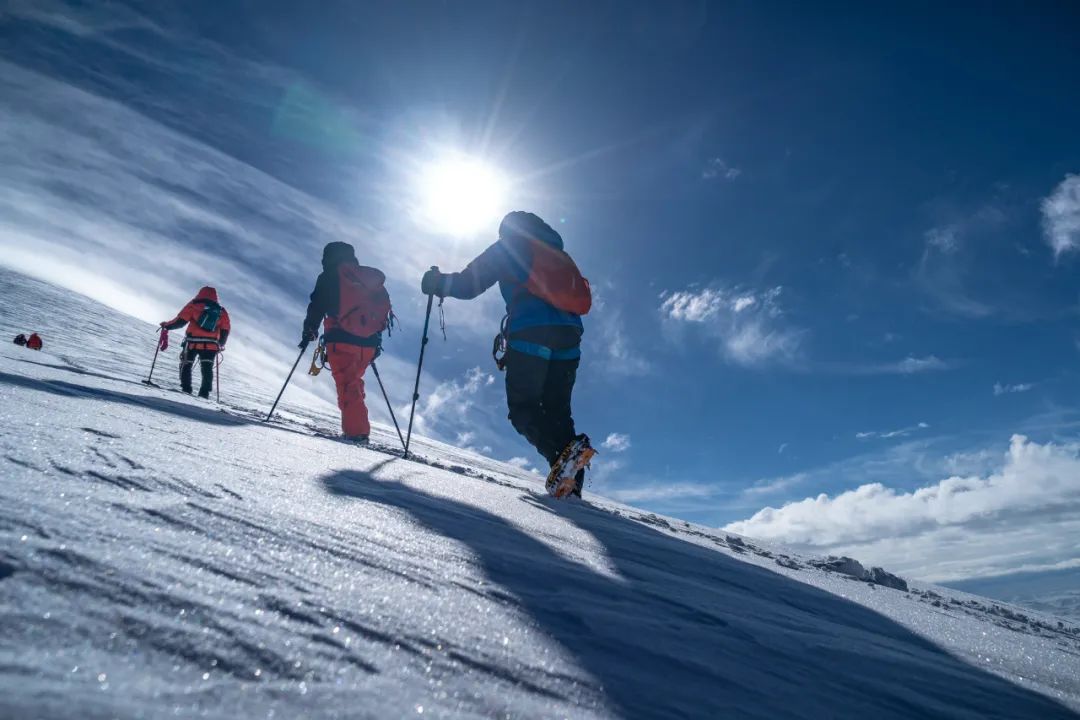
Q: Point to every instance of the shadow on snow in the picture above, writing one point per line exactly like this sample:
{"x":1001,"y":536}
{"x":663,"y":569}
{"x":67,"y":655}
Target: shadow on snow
{"x":690,"y":632}
{"x":171,"y":407}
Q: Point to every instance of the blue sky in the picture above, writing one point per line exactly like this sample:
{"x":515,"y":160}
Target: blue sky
{"x":831,"y":246}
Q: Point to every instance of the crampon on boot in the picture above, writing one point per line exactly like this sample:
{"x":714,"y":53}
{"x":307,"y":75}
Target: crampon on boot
{"x":562,"y":480}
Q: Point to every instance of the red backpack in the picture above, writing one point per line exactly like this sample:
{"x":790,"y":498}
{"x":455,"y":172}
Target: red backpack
{"x":555,"y":279}
{"x":364,"y":305}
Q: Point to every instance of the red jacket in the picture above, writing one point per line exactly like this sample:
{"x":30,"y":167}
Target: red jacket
{"x":203,"y":339}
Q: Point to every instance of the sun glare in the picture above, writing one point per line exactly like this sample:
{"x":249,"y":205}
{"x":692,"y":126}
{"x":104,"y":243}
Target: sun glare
{"x":460,"y":195}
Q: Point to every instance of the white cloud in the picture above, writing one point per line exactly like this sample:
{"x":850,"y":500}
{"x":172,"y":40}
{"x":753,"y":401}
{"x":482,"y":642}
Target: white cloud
{"x":746,"y":301}
{"x":717,"y":168}
{"x":694,"y":306}
{"x":1000,"y":389}
{"x":519,"y":462}
{"x":442,"y":410}
{"x":748,"y":324}
{"x":886,"y":434}
{"x":616,"y":442}
{"x":1026,"y":511}
{"x":780,"y":450}
{"x":1061,"y":216}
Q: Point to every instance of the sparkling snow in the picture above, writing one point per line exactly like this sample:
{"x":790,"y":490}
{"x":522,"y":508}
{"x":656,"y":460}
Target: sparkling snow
{"x":162,"y":556}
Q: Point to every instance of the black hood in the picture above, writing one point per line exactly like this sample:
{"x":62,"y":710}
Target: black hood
{"x":521,"y":224}
{"x":336,"y":253}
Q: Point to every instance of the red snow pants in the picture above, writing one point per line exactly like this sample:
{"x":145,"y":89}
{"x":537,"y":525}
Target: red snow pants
{"x":348,"y":363}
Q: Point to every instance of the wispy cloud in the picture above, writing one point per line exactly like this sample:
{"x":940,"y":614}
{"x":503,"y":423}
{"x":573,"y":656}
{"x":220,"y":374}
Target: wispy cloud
{"x":661,"y":491}
{"x":901,"y":432}
{"x":717,"y":168}
{"x":523,"y":463}
{"x":616,"y":442}
{"x":1061,"y":216}
{"x":1025,"y":511}
{"x":943,"y":238}
{"x":943,"y":270}
{"x":911,"y":365}
{"x":773,"y":486}
{"x":445,"y":408}
{"x":623,"y":359}
{"x":748,"y":324}
{"x":1000,"y":389}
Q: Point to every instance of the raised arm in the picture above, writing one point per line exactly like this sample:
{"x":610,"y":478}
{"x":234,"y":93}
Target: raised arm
{"x":489,"y":267}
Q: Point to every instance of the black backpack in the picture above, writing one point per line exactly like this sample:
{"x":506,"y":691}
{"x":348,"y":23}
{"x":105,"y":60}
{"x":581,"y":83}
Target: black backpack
{"x":209,"y":318}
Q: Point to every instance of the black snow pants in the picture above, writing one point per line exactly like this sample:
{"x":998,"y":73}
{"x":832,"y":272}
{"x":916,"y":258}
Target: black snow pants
{"x":205,"y":359}
{"x":539,"y":390}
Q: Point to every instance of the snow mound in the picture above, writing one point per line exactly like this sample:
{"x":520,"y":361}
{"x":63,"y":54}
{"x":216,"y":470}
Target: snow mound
{"x":162,"y":556}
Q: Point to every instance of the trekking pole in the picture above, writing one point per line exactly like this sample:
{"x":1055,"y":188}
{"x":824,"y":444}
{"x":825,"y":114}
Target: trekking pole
{"x":389,"y":407}
{"x":157,"y":348}
{"x":419,"y":366}
{"x":303,"y":349}
{"x":217,"y":375}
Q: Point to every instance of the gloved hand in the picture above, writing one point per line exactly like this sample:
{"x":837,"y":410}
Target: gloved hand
{"x":432,"y":283}
{"x":162,"y":324}
{"x":308,"y":336}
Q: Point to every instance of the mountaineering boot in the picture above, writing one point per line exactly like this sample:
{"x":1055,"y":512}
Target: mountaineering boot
{"x":356,"y":439}
{"x":575,"y":457}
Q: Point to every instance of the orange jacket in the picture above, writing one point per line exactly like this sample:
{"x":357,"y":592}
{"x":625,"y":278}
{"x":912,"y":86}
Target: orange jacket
{"x":191,"y":313}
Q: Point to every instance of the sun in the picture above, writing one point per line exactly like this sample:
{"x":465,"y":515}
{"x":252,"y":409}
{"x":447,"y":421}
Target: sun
{"x":460,"y":195}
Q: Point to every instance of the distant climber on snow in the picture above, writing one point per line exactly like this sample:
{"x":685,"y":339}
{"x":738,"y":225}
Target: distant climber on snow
{"x":539,"y":343}
{"x":207,"y":332}
{"x":351,"y":302}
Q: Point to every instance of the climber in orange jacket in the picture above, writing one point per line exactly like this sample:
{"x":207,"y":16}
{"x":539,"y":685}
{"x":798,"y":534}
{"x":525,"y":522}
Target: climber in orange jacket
{"x":207,"y":332}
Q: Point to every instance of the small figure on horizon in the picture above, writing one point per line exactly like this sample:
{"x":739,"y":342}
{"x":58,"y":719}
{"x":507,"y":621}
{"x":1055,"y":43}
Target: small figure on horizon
{"x":351,"y":302}
{"x":207,"y":332}
{"x":545,"y":297}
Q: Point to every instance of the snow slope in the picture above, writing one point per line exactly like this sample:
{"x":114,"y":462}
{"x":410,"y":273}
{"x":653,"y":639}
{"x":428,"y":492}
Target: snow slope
{"x":163,"y":556}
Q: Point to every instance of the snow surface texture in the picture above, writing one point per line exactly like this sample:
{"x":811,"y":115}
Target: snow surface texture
{"x":162,"y":556}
